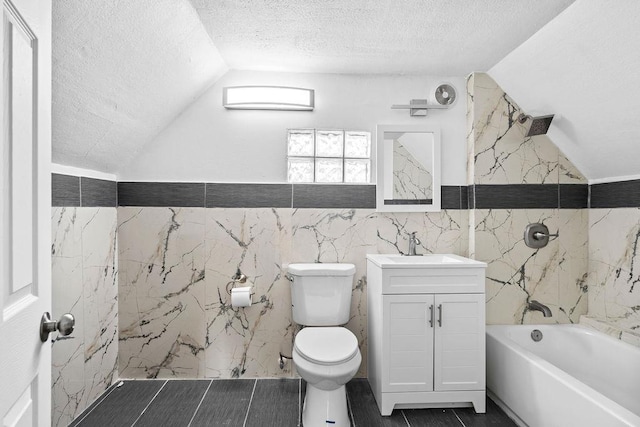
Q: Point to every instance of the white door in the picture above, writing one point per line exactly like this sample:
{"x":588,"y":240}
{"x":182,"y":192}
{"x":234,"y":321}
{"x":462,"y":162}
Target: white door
{"x":407,"y":355}
{"x":25,"y":185}
{"x":459,"y":359}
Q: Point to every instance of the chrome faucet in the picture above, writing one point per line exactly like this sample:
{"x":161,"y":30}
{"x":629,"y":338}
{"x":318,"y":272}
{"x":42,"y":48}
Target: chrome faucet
{"x":537,"y":306}
{"x":413,"y":241}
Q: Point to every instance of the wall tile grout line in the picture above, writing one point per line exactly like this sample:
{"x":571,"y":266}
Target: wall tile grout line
{"x":80,"y":191}
{"x":149,"y":404}
{"x":204,"y":197}
{"x":246,"y":416}
{"x":200,"y":403}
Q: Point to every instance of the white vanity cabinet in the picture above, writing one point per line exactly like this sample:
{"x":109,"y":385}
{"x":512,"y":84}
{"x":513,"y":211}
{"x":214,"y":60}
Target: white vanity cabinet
{"x":426,"y":332}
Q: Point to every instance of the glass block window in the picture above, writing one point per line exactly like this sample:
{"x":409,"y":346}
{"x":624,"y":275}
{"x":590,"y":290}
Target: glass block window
{"x":328,"y":156}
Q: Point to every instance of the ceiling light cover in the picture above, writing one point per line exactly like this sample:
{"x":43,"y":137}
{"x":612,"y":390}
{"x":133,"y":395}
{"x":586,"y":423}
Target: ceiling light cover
{"x":268,"y":98}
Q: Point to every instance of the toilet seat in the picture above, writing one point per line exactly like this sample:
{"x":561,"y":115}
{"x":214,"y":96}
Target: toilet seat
{"x":326,"y":345}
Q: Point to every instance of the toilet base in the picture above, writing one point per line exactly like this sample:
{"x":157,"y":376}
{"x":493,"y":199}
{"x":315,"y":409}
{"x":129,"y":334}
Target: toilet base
{"x":325,"y":408}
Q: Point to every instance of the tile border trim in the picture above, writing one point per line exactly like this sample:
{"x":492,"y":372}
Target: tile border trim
{"x":81,"y":191}
{"x":242,"y":195}
{"x":529,"y":196}
{"x":73,"y":191}
{"x":619,"y":194}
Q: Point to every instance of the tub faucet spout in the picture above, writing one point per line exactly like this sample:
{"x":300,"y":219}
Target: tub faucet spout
{"x":535,"y":305}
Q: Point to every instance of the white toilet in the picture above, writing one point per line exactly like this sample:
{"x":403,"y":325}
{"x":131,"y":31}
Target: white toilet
{"x":326,"y":355}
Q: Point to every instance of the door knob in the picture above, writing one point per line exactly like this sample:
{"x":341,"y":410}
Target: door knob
{"x":64,"y":326}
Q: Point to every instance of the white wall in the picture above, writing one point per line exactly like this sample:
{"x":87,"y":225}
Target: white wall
{"x":583,"y":67}
{"x":209,"y":143}
{"x":121,"y":71}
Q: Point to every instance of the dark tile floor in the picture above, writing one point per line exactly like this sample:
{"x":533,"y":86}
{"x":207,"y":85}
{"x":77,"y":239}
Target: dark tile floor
{"x":265,"y":402}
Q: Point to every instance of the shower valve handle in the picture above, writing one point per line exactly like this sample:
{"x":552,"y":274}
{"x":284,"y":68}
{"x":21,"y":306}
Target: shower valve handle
{"x":539,"y":235}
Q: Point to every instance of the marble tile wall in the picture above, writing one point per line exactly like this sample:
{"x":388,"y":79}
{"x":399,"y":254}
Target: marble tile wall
{"x":411,"y":180}
{"x":614,"y":275}
{"x":85,"y":283}
{"x":500,"y":154}
{"x":176,"y":265}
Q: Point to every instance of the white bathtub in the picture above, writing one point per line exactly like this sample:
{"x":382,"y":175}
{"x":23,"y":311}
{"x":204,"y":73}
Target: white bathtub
{"x":573,"y":377}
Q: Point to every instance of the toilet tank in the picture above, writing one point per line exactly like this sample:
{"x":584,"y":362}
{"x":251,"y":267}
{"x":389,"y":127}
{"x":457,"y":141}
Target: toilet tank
{"x":321,"y":293}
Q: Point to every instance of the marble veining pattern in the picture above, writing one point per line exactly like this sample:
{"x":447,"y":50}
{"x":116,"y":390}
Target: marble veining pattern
{"x":516,"y":274}
{"x":614,"y":330}
{"x":166,"y":298}
{"x":573,"y":263}
{"x":568,"y":172}
{"x":470,"y":121}
{"x":161,"y":292}
{"x":500,"y":153}
{"x":85,"y":283}
{"x":154,"y":301}
{"x":411,"y":180}
{"x":177,"y":264}
{"x":614,"y":269}
{"x":246,"y":342}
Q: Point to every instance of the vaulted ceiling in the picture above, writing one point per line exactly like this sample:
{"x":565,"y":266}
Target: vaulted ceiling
{"x":123,"y":69}
{"x":431,"y":37}
{"x":583,"y":67}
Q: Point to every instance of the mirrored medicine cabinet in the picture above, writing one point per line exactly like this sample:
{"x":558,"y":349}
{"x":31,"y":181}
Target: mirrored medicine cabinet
{"x":408,"y":168}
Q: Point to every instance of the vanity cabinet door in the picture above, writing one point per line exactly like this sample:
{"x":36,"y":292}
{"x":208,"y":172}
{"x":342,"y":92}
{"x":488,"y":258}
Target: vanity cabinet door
{"x":407,"y":362}
{"x":459,"y":342}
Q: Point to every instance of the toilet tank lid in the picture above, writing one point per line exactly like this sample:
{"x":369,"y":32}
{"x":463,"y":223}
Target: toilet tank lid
{"x":325,"y":269}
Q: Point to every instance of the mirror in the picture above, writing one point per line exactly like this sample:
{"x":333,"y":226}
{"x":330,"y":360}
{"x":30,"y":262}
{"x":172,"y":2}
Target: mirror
{"x":408,"y":168}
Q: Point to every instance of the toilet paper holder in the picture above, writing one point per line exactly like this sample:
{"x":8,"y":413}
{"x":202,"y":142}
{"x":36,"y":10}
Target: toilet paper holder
{"x":242,"y":289}
{"x":239,"y":277}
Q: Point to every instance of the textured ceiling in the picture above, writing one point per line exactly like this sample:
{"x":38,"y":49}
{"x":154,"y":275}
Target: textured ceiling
{"x":583,"y":67}
{"x":122,"y":70}
{"x":363,"y":36}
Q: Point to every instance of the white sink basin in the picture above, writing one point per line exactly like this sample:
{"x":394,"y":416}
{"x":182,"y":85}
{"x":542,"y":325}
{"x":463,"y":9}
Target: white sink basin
{"x":423,"y":261}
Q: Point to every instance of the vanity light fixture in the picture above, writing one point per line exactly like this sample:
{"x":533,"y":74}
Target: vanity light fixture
{"x":268,"y":98}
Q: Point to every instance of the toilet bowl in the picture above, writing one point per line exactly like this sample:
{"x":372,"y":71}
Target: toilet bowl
{"x":325,"y":354}
{"x":326,"y":358}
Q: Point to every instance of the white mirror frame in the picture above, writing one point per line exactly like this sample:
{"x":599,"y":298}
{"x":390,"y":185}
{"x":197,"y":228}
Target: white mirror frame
{"x":381,"y":170}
